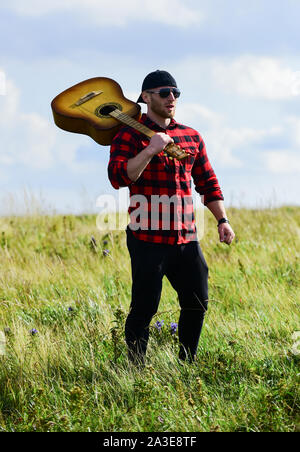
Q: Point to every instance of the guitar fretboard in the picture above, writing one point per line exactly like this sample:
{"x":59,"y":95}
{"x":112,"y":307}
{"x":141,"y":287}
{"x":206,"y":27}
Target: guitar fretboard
{"x":129,"y":121}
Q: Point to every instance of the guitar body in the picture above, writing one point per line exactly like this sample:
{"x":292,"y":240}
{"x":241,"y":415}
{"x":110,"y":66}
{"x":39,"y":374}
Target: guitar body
{"x":85,"y":107}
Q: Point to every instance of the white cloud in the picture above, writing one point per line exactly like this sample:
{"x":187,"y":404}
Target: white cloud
{"x":170,"y":12}
{"x":293,"y":122}
{"x":261,"y":77}
{"x":192,"y":112}
{"x":282,"y":161}
{"x":286,"y":160}
{"x":26,"y":138}
{"x":227,"y":144}
{"x":223,"y":143}
{"x":31,"y":140}
{"x":2,"y":83}
{"x":39,"y":139}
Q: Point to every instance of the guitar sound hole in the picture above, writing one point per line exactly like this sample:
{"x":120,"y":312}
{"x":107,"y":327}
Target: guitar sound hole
{"x":104,"y":111}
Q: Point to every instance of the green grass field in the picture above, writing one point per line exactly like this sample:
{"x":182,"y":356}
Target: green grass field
{"x":64,"y":299}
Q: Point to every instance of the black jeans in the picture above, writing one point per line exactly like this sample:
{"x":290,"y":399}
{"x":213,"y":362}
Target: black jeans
{"x":186,"y":269}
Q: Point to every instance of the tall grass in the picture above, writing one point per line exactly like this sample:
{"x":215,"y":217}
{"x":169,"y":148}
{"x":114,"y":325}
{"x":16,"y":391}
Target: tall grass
{"x":65,"y":292}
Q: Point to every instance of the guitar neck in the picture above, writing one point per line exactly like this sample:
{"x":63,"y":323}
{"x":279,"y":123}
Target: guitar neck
{"x":129,"y":121}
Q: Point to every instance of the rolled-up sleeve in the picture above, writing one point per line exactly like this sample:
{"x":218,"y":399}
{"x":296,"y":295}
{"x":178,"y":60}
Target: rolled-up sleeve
{"x":123,"y":148}
{"x":205,"y":180}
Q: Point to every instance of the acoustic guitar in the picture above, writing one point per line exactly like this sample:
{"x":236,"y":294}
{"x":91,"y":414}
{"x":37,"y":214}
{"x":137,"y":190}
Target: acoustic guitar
{"x":97,"y":107}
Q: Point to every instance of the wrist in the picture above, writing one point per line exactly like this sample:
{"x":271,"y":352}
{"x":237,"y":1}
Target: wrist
{"x":223,"y":220}
{"x":150,"y":151}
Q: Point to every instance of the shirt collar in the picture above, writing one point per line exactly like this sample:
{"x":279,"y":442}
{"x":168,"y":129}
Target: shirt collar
{"x":152,"y":125}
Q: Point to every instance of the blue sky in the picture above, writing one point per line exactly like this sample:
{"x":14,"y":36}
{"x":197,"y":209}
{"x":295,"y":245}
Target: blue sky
{"x":237,"y":64}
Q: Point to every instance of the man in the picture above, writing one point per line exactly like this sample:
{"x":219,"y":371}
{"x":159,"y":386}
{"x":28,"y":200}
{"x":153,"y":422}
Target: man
{"x":162,"y":189}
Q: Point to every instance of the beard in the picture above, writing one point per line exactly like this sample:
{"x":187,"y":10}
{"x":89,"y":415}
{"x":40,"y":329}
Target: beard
{"x":157,"y":108}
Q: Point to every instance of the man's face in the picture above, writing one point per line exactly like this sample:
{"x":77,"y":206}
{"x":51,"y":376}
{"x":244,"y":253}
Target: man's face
{"x":164,"y":107}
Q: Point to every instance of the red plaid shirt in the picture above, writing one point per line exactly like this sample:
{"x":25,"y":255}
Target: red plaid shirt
{"x":161,"y":206}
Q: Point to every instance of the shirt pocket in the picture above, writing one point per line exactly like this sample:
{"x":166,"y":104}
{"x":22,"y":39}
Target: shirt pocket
{"x":189,"y":160}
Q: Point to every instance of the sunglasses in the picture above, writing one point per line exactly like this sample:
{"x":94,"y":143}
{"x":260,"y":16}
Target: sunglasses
{"x":165,"y":92}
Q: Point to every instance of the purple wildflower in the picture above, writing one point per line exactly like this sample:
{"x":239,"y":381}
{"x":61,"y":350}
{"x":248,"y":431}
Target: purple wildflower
{"x":70,"y":309}
{"x":158,"y":325}
{"x":33,"y":331}
{"x":106,"y":253}
{"x":173,"y":327}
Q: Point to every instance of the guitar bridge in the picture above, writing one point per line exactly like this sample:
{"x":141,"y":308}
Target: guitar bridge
{"x":87,"y":97}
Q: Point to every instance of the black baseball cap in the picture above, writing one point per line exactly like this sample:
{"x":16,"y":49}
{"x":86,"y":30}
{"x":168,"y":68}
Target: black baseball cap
{"x":156,"y":79}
